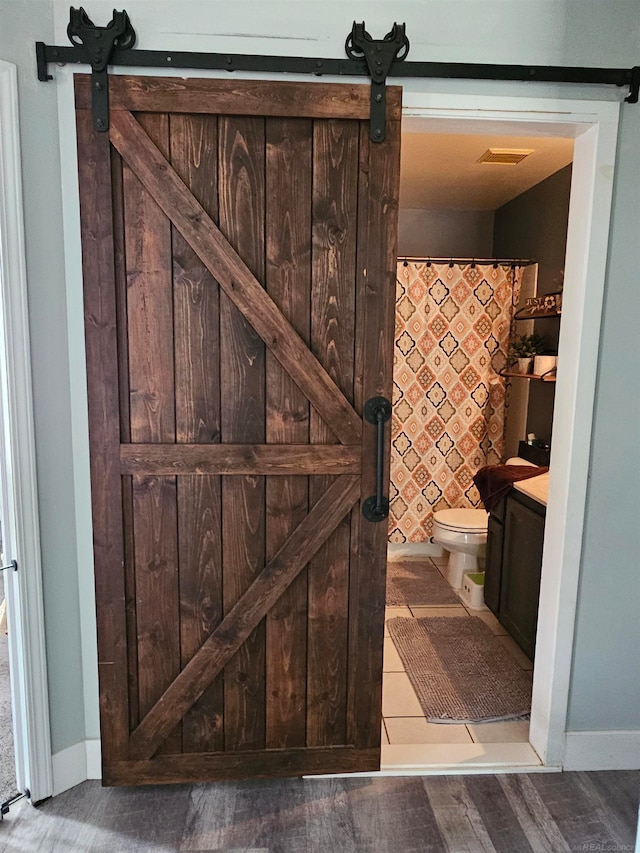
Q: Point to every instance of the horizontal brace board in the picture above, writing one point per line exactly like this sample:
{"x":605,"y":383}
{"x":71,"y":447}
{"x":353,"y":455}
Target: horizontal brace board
{"x":209,"y":767}
{"x":263,"y":459}
{"x":250,"y":97}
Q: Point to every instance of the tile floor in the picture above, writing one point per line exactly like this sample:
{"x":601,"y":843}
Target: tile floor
{"x":403,"y":721}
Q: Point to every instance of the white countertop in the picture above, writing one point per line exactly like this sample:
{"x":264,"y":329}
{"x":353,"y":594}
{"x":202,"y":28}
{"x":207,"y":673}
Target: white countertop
{"x":536,"y":488}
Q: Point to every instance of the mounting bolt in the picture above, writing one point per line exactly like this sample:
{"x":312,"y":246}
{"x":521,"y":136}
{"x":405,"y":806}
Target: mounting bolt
{"x":100,"y":123}
{"x":378,"y":97}
{"x":377,"y":133}
{"x":99,"y":86}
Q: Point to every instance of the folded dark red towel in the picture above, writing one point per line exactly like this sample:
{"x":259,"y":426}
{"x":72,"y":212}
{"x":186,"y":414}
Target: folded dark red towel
{"x":494,"y":481}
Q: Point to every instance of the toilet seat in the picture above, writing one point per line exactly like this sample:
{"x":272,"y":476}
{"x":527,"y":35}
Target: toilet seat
{"x":462,"y":520}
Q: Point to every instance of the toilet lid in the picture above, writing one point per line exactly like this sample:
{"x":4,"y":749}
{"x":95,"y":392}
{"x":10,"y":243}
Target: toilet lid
{"x":469,"y":520}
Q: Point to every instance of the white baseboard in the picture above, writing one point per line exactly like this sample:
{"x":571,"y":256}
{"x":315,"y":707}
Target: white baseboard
{"x":94,"y":759}
{"x":619,"y":750}
{"x":413,"y":550}
{"x":76,"y":764}
{"x":69,"y":767}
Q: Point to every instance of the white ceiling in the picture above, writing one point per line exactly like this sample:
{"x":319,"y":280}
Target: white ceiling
{"x":439,"y":170}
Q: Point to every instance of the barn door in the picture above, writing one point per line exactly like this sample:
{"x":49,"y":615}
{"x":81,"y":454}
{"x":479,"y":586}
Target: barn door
{"x":239,"y":244}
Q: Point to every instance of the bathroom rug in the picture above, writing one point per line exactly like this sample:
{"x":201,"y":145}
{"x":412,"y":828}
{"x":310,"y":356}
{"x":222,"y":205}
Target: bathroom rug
{"x":460,"y":671}
{"x":418,"y":583}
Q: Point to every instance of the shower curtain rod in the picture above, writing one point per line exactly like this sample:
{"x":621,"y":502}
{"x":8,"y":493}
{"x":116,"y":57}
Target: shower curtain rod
{"x":520,"y":261}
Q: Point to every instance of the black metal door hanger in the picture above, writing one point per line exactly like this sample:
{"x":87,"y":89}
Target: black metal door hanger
{"x":377,"y":59}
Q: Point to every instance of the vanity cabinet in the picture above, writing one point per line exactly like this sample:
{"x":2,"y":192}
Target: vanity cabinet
{"x":514,"y":562}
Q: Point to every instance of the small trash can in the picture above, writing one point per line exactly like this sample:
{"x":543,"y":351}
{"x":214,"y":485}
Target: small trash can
{"x":472,"y":591}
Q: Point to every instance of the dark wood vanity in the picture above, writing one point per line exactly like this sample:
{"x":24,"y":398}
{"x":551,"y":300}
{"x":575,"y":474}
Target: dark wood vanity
{"x":514,"y":562}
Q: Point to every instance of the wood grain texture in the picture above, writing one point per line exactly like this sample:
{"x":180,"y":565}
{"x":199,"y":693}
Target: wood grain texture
{"x":236,"y":279}
{"x":242,"y":364}
{"x":375,"y":310}
{"x":251,"y":333}
{"x":157,"y":594}
{"x":234,"y":97}
{"x":288,"y":282}
{"x":246,"y":614}
{"x":152,"y":419}
{"x":200,"y":555}
{"x":149,"y":301}
{"x":258,"y":764}
{"x":556,"y":812}
{"x":239,"y":459}
{"x":120,"y":281}
{"x":100,"y":312}
{"x":194,"y":156}
{"x":334,"y":229}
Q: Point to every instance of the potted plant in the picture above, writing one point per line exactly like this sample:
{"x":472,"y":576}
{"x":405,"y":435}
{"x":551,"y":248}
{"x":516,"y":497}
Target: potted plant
{"x":522,"y":349}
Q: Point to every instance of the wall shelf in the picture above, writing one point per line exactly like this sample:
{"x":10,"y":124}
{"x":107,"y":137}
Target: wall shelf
{"x":509,"y":374}
{"x":540,"y":307}
{"x":541,"y":315}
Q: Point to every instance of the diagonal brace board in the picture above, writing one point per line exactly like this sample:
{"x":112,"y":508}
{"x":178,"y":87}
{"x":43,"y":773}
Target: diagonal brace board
{"x":234,"y":277}
{"x":245,"y":616}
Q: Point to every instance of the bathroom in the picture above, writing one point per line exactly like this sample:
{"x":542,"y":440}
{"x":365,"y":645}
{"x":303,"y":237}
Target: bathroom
{"x":482,"y":229}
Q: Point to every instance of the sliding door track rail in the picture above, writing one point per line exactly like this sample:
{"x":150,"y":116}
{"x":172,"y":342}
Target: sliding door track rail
{"x":378,"y":59}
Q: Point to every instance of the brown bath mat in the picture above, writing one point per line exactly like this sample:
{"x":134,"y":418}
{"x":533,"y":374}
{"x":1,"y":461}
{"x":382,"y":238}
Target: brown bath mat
{"x":460,"y":671}
{"x":419,"y":583}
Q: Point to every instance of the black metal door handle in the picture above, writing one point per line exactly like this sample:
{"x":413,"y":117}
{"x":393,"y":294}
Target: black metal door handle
{"x":377,"y":411}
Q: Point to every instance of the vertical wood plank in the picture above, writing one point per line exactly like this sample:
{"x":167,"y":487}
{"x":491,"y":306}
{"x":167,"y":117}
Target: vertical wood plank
{"x":155,"y":548}
{"x":94,"y":174}
{"x":152,"y":419}
{"x":149,"y":303}
{"x":288,"y":282}
{"x":377,"y":254}
{"x":241,"y":182}
{"x":335,"y":210}
{"x":120,"y":270}
{"x":194,"y":156}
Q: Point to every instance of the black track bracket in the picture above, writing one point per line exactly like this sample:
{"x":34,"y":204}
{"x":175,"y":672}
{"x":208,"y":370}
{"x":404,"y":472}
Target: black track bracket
{"x":94,"y":46}
{"x":379,"y":54}
{"x":634,"y":86}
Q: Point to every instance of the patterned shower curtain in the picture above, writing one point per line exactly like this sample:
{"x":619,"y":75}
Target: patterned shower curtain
{"x":452,"y":334}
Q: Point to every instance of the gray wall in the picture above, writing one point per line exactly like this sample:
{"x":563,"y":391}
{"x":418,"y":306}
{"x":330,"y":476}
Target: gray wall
{"x":588,"y":32}
{"x":534,"y":225}
{"x":445,"y":233}
{"x":605,"y":685}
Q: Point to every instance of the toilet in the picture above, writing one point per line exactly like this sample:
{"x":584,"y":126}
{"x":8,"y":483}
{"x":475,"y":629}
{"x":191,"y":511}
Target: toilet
{"x":463,"y":532}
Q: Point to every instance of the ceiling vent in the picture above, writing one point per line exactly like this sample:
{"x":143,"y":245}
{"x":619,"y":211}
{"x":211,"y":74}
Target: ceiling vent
{"x":505,"y":156}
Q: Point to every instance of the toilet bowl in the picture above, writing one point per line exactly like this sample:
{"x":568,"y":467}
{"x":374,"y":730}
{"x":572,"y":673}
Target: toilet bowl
{"x":463,"y":532}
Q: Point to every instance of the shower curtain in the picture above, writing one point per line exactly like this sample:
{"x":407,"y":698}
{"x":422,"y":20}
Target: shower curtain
{"x":453,"y":323}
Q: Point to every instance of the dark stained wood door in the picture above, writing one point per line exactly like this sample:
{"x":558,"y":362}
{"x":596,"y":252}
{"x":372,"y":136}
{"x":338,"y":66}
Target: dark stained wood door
{"x":239,"y":245}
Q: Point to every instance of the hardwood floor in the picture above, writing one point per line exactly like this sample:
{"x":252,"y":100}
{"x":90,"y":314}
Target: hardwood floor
{"x":539,"y":812}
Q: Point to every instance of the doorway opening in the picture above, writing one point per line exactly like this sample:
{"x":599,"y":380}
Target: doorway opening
{"x":418,"y":744}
